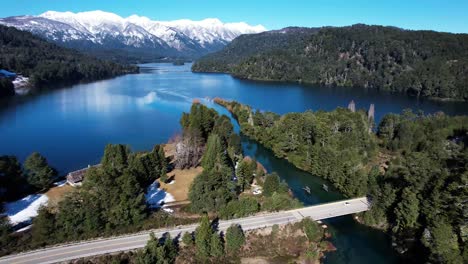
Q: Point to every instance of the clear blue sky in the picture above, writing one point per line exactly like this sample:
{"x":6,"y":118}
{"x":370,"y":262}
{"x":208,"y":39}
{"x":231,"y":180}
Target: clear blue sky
{"x":448,"y":15}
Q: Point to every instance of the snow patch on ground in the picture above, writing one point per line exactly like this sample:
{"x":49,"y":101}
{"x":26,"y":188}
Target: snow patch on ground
{"x":60,"y":183}
{"x":23,"y":229}
{"x":25,"y":209}
{"x":155,"y":196}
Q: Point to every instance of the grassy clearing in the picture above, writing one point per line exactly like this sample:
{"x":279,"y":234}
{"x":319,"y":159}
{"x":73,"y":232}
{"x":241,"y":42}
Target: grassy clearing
{"x":57,"y":193}
{"x":183,"y":179}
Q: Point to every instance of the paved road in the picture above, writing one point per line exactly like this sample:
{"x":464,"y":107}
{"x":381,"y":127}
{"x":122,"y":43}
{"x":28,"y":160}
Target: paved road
{"x":122,"y":243}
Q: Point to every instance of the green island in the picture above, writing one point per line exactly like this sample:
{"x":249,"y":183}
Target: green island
{"x":419,"y":63}
{"x":111,"y":201}
{"x":414,"y":168}
{"x":47,"y":65}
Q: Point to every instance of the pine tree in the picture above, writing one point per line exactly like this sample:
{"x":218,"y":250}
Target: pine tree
{"x":271,"y":185}
{"x":235,"y":238}
{"x":116,"y":158}
{"x":407,"y":211}
{"x":217,"y":249}
{"x":39,"y":173}
{"x":5,"y":230}
{"x":244,"y":174}
{"x":214,"y":155}
{"x":187,"y":239}
{"x":203,"y":237}
{"x":43,"y":227}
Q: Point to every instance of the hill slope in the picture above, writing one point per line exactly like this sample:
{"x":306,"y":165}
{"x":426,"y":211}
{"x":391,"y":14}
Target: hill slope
{"x":48,"y":65}
{"x":421,"y":63}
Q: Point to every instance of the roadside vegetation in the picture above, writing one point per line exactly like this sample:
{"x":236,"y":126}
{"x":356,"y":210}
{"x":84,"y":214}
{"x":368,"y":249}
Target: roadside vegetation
{"x":414,"y":169}
{"x":303,"y":242}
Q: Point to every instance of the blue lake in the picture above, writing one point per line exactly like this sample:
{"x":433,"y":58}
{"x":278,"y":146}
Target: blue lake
{"x":71,"y":126}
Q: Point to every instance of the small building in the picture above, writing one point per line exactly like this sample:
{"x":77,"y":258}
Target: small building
{"x":7,"y":74}
{"x":75,"y":178}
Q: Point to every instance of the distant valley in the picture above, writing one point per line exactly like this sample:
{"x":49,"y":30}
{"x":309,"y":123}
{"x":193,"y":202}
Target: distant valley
{"x":133,"y":39}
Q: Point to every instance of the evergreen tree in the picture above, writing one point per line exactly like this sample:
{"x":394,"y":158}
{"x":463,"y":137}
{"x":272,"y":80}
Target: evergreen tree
{"x":43,"y":226}
{"x":116,"y":158}
{"x":244,"y":174}
{"x":38,"y":171}
{"x":163,"y":162}
{"x":203,"y":235}
{"x":271,"y":184}
{"x":187,"y":239}
{"x":167,"y":252}
{"x":223,"y":128}
{"x":214,"y":154}
{"x":235,"y":238}
{"x":5,"y":230}
{"x":12,"y":181}
{"x":443,"y":242}
{"x":407,"y":211}
{"x":216,"y":247}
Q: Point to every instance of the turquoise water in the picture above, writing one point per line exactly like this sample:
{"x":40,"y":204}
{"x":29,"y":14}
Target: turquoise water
{"x":71,"y":127}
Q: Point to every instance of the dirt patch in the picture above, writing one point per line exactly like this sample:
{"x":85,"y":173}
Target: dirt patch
{"x":56,"y":194}
{"x":254,"y":261}
{"x":182,"y":179}
{"x":169,"y":151}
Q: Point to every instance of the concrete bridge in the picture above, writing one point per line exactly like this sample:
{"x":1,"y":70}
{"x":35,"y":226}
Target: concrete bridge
{"x":135,"y":241}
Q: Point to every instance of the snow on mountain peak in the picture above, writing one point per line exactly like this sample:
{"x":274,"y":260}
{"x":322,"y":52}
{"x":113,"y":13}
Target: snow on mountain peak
{"x":102,"y":27}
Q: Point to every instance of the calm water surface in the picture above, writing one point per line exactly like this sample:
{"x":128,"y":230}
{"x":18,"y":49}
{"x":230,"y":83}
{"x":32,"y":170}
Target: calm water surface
{"x":72,"y":126}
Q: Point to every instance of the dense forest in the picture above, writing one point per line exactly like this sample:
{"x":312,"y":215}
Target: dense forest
{"x":415,"y":169}
{"x":419,"y":63}
{"x":48,"y":65}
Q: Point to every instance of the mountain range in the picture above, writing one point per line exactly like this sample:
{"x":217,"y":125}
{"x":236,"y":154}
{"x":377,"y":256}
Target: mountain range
{"x":135,"y":37}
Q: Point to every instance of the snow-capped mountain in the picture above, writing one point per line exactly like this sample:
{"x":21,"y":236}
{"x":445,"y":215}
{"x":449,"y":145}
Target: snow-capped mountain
{"x":98,"y":30}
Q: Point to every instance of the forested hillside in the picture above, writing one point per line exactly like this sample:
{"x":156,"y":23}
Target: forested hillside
{"x":420,"y":63}
{"x":48,"y":65}
{"x":415,"y":170}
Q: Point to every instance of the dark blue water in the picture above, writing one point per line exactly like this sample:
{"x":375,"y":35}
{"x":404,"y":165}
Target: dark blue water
{"x":72,"y":126}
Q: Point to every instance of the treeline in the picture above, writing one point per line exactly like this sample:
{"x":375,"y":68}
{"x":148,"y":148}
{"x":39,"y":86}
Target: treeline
{"x":420,"y":199}
{"x":48,"y":65}
{"x":419,"y":63}
{"x":111,"y":200}
{"x":17,"y":180}
{"x":219,"y":187}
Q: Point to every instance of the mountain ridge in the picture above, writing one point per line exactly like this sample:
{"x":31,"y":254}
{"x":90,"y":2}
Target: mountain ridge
{"x":101,"y":32}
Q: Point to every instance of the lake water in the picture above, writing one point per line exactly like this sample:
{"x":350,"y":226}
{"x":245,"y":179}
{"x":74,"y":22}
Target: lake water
{"x":71,"y":127}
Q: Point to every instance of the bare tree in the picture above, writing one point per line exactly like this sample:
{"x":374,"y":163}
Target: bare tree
{"x":189,"y":149}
